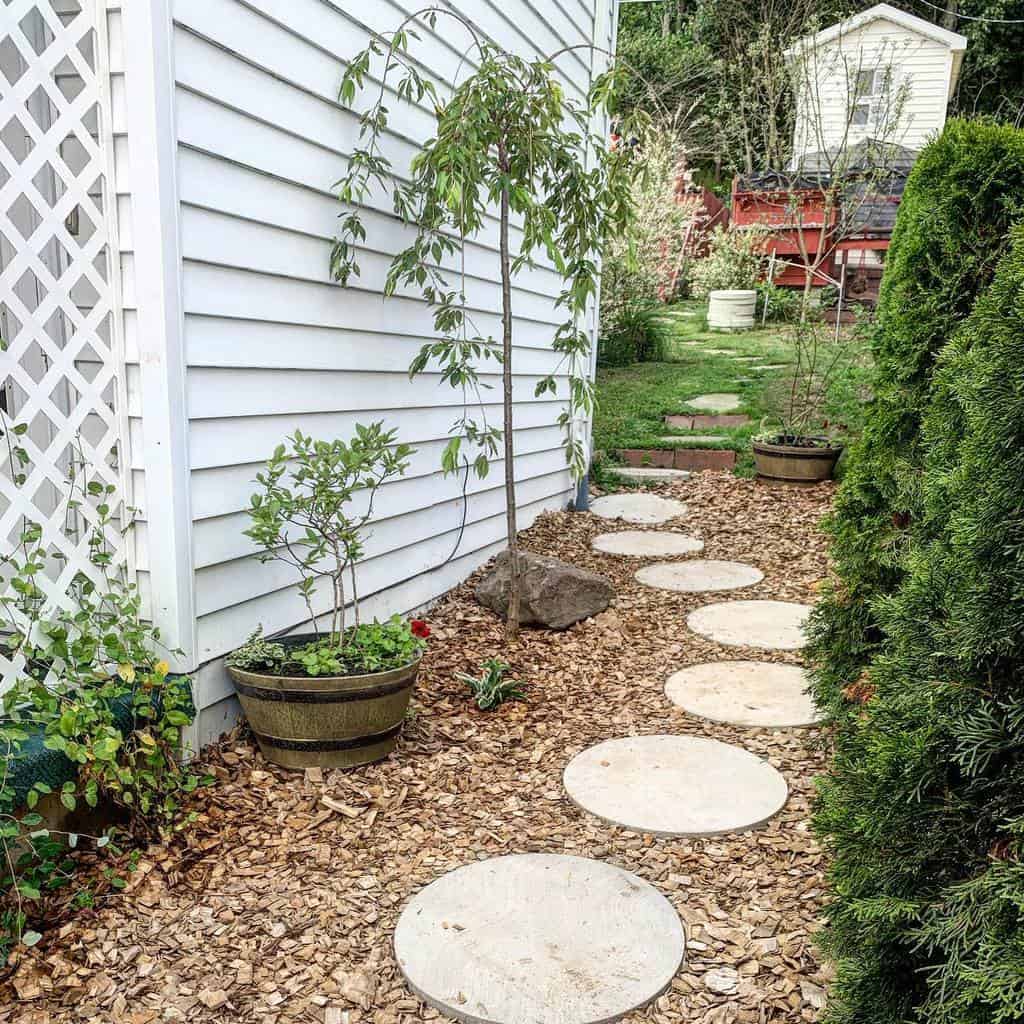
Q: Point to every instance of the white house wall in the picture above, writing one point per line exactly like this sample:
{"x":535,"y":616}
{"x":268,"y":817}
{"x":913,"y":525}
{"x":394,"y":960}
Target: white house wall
{"x":272,"y":345}
{"x":923,"y":64}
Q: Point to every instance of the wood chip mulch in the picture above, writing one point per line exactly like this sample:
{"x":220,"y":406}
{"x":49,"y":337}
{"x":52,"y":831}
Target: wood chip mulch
{"x":280,"y":905}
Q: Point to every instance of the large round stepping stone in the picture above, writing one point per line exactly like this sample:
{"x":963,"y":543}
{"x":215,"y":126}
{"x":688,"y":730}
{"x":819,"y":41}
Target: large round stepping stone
{"x":539,"y":938}
{"x":647,"y":543}
{"x":754,"y":694}
{"x":675,"y":785}
{"x":717,"y":402}
{"x":775,"y":625}
{"x":637,"y":508}
{"x":698,"y":575}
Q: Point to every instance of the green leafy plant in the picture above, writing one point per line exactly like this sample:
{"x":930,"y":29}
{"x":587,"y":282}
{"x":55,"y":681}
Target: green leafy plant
{"x":315,"y":502}
{"x":305,"y":514}
{"x":639,"y":333}
{"x":507,"y":138}
{"x":491,"y":689}
{"x":88,"y":672}
{"x":368,"y":647}
{"x":736,"y":259}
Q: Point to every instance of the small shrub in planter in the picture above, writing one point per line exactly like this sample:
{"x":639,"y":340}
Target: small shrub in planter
{"x":335,"y":698}
{"x":804,"y":447}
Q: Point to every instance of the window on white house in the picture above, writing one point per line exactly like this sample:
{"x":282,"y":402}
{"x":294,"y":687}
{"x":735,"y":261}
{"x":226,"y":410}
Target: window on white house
{"x":871,"y":93}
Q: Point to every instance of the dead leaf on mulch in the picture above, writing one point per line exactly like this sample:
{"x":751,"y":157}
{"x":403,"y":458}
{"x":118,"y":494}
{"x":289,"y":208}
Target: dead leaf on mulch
{"x":280,"y":905}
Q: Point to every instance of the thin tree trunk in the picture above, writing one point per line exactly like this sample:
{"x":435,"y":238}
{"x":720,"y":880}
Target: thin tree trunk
{"x":512,"y":621}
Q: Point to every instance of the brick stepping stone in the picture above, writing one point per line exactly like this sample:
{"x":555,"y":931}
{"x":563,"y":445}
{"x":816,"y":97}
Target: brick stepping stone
{"x":752,"y":694}
{"x":717,"y":402}
{"x":649,"y":473}
{"x":675,"y":785}
{"x":775,"y":625}
{"x":637,"y":508}
{"x":699,"y":575}
{"x":646,"y":543}
{"x":544,"y":938}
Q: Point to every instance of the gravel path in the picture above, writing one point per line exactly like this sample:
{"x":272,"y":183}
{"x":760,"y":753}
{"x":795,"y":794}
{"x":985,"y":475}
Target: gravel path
{"x":280,"y":905}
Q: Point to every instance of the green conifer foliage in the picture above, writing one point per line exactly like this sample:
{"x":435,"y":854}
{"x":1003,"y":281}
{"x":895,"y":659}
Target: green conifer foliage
{"x":923,"y":811}
{"x":966,"y":188}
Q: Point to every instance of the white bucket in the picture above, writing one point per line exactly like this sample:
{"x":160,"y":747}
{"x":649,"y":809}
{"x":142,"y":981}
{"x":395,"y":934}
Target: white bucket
{"x":732,"y":310}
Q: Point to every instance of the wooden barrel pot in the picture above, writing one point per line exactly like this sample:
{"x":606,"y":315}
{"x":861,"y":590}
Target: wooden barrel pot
{"x":795,"y":464}
{"x":329,"y":721}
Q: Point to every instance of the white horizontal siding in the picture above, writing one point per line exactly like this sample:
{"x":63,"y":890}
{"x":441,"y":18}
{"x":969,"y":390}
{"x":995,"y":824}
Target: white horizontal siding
{"x":920,"y":65}
{"x":273,"y":345}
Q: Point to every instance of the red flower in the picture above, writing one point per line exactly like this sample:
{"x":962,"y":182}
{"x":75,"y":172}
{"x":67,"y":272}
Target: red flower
{"x":420,"y":628}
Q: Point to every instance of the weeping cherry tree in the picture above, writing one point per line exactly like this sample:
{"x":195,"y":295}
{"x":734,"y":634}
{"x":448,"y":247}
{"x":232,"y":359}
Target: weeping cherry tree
{"x":509,"y":145}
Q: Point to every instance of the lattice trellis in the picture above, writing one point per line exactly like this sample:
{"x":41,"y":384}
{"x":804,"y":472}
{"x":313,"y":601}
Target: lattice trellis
{"x":59,"y":289}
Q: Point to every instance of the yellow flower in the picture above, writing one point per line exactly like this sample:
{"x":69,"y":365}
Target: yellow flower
{"x":162,"y":668}
{"x":126,"y":672}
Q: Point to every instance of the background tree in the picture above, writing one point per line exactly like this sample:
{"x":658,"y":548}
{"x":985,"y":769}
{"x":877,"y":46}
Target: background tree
{"x":722,"y":61}
{"x":507,"y":139}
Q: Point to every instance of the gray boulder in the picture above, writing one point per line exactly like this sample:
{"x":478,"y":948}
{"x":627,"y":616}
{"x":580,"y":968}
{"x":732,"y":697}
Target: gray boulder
{"x":553,"y":593}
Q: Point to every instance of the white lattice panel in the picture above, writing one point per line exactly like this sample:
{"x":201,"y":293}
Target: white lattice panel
{"x":59,"y":291}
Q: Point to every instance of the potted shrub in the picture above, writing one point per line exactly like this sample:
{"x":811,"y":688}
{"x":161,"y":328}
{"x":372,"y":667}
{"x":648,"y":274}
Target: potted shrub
{"x":803,"y":448}
{"x":337,"y":697}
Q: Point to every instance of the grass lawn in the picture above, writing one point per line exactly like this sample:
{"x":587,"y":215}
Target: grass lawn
{"x":632,"y":400}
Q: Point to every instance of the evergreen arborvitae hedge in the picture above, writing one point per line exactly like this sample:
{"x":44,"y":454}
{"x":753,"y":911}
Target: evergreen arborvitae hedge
{"x":965,"y":190}
{"x":923,"y":811}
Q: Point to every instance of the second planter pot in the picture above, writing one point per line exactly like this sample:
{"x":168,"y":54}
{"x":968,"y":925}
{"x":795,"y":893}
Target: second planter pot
{"x":808,"y":462}
{"x":327,"y":721}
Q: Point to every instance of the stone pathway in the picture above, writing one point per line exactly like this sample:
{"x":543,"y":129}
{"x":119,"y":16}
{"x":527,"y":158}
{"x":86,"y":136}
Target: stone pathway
{"x":564,"y":940}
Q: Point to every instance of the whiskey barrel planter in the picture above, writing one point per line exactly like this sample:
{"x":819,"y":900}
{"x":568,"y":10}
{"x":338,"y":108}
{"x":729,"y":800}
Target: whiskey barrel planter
{"x":808,"y":462}
{"x":327,"y":721}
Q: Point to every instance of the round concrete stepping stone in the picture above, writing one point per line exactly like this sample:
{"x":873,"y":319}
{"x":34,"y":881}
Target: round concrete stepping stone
{"x":754,"y":694}
{"x":646,"y":543}
{"x":650,"y":473}
{"x":675,"y":785}
{"x":699,"y":575}
{"x":543,"y":938}
{"x":637,"y":508}
{"x":717,"y":402}
{"x":775,"y":625}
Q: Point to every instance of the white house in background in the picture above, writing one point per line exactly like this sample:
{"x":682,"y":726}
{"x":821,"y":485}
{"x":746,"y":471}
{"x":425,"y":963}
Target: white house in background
{"x":166,"y":215}
{"x":848,"y":76}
